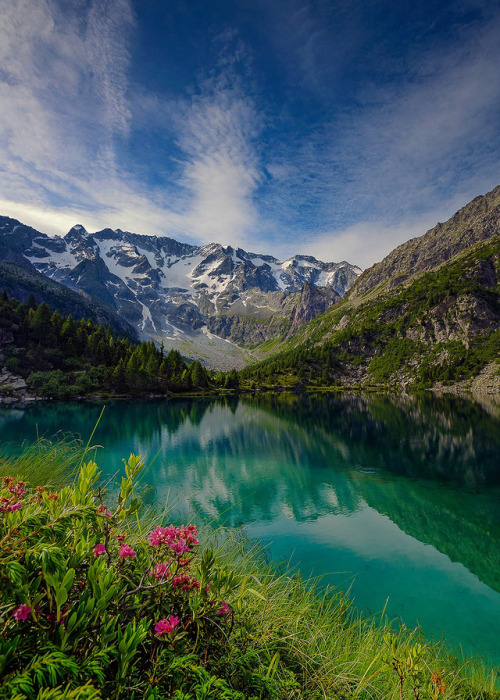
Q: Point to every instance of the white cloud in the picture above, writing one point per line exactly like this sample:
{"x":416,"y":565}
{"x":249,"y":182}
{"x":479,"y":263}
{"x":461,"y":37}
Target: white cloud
{"x":221,"y":168}
{"x":65,"y":102}
{"x":63,"y":95}
{"x":366,"y":243}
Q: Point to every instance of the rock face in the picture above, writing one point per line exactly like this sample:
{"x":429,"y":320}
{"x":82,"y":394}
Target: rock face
{"x":176,"y":292}
{"x":312,"y":303}
{"x":477,"y":221}
{"x":13,"y":388}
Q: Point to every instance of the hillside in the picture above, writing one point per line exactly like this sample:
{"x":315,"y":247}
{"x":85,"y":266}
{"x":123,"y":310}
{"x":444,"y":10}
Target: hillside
{"x":20,"y":281}
{"x":420,"y":326}
{"x":45,"y":354}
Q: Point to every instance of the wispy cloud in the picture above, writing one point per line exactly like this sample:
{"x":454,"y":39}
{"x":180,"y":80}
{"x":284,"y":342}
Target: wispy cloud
{"x":218,"y":134}
{"x":411,"y":152}
{"x":66,"y":104}
{"x":307,"y":169}
{"x":63,"y":84}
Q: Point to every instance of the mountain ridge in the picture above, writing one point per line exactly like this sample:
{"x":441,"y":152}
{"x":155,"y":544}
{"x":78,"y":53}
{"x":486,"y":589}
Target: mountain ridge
{"x":203,"y":300}
{"x":474,"y":222}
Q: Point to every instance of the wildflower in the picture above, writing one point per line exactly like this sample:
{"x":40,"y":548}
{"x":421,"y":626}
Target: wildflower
{"x":14,"y":506}
{"x":160,"y":571}
{"x":185,"y":582}
{"x":166,"y":625}
{"x":120,"y":537}
{"x":103,"y":510}
{"x":178,"y":539}
{"x":22,"y":612}
{"x":126,"y":551}
{"x":53,"y":496}
{"x":99,"y":550}
{"x":224,"y":609}
{"x":17,"y":489}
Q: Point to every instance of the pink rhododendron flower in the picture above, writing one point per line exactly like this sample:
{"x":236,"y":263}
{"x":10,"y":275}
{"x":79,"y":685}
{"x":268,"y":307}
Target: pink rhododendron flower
{"x":178,"y":539}
{"x":103,"y":510}
{"x":126,"y":551}
{"x":185,"y":581}
{"x":22,"y":612}
{"x":120,"y":538}
{"x":14,"y":506}
{"x":99,"y":550}
{"x":166,"y":625}
{"x":224,"y":609}
{"x":18,"y":489}
{"x":160,"y":571}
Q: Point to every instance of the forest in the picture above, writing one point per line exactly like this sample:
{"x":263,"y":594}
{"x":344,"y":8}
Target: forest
{"x":64,"y":358}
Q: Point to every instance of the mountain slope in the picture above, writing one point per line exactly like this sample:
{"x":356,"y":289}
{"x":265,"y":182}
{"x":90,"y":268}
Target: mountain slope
{"x":416,"y":328}
{"x":191,"y":297}
{"x":477,"y":221}
{"x":21,"y":281}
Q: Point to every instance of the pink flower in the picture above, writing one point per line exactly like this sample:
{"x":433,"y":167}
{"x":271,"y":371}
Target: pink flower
{"x":126,"y":551}
{"x":120,"y":538}
{"x":178,"y":539}
{"x":224,"y":609}
{"x":22,"y":612}
{"x":180,"y":547}
{"x":160,"y":571}
{"x":185,"y":581}
{"x":99,"y":550}
{"x":104,"y":511}
{"x":18,"y":489}
{"x":14,"y":506}
{"x":166,"y":625}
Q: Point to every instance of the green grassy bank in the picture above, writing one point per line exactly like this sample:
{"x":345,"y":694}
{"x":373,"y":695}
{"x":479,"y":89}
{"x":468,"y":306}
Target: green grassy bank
{"x":102,"y":598}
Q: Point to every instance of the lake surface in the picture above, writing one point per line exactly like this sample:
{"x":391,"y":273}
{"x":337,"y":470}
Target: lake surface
{"x":398,"y":499}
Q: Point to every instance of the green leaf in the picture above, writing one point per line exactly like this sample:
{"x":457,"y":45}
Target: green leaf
{"x":256,"y":593}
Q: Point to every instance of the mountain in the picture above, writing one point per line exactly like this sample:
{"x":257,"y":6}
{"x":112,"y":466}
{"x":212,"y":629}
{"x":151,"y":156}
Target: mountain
{"x":203,"y":300}
{"x":427,"y":315}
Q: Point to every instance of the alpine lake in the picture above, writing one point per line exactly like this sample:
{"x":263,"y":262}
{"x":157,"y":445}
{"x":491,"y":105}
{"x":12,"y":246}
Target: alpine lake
{"x":395,"y":499}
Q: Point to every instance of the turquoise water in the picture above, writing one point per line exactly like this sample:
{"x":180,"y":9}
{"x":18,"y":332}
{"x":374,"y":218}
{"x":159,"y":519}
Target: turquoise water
{"x":396,"y":499}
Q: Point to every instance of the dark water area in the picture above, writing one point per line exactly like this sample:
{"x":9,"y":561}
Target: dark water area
{"x":398,"y":499}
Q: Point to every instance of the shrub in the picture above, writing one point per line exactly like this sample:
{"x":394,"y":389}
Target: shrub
{"x":88,"y":611}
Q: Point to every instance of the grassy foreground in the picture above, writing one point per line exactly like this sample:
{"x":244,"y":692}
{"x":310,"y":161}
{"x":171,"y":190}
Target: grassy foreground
{"x":100,"y":599}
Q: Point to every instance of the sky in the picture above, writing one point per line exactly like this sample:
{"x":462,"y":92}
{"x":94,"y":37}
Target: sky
{"x":338,"y":129}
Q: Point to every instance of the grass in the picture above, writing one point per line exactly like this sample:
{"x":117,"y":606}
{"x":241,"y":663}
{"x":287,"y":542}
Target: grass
{"x":295,"y":629}
{"x":45,"y":462}
{"x":334,"y":649}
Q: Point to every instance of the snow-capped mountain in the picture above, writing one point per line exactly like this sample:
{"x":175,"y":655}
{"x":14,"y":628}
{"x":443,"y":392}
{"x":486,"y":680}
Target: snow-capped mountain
{"x":177,"y":292}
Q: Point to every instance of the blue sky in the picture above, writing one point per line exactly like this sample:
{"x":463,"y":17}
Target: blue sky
{"x":338,"y":129}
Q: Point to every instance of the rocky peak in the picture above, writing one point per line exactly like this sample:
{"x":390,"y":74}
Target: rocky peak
{"x":76,"y":234}
{"x":167,"y":289}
